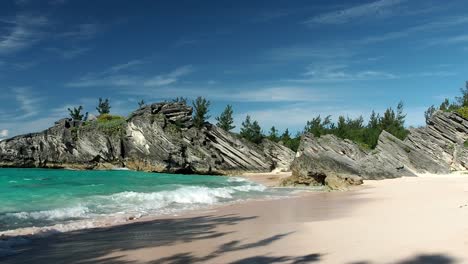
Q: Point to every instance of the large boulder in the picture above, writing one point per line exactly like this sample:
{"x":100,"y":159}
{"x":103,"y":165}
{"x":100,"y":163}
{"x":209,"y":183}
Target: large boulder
{"x":323,"y":160}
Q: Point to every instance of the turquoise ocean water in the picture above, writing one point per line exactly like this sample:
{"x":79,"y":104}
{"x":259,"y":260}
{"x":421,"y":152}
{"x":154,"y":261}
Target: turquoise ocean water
{"x":43,"y":198}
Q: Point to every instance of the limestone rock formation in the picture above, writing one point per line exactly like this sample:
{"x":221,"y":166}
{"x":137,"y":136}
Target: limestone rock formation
{"x":437,"y":148}
{"x":158,"y":138}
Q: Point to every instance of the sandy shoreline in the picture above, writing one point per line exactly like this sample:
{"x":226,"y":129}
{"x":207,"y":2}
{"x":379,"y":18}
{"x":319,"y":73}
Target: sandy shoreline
{"x":272,"y":179}
{"x":392,"y":221}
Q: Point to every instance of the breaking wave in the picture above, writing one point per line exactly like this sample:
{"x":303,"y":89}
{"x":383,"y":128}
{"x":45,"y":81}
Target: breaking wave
{"x":138,"y":204}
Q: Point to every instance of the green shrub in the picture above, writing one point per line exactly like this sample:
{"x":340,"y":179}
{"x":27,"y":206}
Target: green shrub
{"x":463,"y":111}
{"x":465,"y":144}
{"x":109,"y":124}
{"x":104,"y":118}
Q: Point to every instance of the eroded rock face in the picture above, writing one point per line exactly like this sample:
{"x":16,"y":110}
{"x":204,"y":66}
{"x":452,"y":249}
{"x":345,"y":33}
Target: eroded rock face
{"x":158,"y":138}
{"x":437,"y":148}
{"x":443,"y":140}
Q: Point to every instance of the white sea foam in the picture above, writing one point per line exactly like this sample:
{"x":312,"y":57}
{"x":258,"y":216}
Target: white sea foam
{"x":138,"y":202}
{"x":55,"y":214}
{"x":118,"y":208}
{"x":236,"y":179}
{"x":183,"y":196}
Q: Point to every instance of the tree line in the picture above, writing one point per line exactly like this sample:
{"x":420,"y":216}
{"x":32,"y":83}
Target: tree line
{"x":459,"y":105}
{"x":347,"y":128}
{"x":367,"y":135}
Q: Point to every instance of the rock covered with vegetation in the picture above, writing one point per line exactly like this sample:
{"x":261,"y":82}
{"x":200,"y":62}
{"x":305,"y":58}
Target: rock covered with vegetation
{"x":161,"y":137}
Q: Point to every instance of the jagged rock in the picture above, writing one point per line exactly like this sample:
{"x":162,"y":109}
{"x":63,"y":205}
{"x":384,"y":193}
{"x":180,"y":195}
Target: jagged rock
{"x":437,"y":148}
{"x":282,"y":156}
{"x":158,"y":138}
{"x":341,"y":182}
{"x":443,"y":140}
{"x":322,"y":159}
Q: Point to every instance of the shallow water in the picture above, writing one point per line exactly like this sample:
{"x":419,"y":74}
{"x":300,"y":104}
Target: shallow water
{"x":43,"y":198}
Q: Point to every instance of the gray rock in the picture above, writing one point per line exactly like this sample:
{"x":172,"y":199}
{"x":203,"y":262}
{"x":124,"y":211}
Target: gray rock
{"x":437,"y":148}
{"x":158,"y":138}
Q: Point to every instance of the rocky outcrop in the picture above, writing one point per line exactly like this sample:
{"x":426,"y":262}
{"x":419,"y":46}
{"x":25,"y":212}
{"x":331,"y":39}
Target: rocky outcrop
{"x":282,"y":156}
{"x":158,"y":138}
{"x":443,"y":140}
{"x":437,"y":148}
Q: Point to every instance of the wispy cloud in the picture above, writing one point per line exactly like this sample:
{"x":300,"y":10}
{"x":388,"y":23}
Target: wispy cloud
{"x":82,"y":31}
{"x":373,"y":9}
{"x":27,"y":105}
{"x":308,"y":52}
{"x":170,"y":78}
{"x":23,"y":32}
{"x":18,"y":65}
{"x":427,"y":27}
{"x":244,"y":94}
{"x":114,"y":76}
{"x":69,"y":53}
{"x":460,"y":39}
{"x":341,"y":73}
{"x":432,"y":74}
{"x":126,"y":65}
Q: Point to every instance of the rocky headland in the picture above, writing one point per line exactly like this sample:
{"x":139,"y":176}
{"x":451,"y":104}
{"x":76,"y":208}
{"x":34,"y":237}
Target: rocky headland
{"x":161,"y":138}
{"x":155,"y":138}
{"x":438,"y":148}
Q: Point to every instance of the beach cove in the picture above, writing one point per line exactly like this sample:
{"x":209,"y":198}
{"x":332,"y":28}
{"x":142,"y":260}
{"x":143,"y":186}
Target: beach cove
{"x":328,"y":227}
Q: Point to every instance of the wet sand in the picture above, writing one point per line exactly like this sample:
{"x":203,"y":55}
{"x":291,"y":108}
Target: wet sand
{"x":408,"y":220}
{"x":272,"y":179}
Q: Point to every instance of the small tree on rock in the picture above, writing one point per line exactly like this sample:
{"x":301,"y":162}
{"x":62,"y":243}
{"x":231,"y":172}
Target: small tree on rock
{"x":141,"y":103}
{"x":201,"y":107}
{"x":103,"y":106}
{"x":181,"y":99}
{"x":429,"y":113}
{"x":273,"y":135}
{"x":75,"y":114}
{"x":225,"y":120}
{"x":251,"y":131}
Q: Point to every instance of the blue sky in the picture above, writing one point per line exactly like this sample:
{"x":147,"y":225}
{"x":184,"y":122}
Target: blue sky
{"x":282,"y":62}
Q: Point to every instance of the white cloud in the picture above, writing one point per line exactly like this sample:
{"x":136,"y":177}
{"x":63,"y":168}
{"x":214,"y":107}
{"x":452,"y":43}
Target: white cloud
{"x":113,"y":77}
{"x":24,"y":31}
{"x":427,"y":27}
{"x":245,"y":94}
{"x":308,"y":52}
{"x":340,"y":73}
{"x":126,"y":65}
{"x":460,"y":39}
{"x":28,"y":105}
{"x":4,"y":133}
{"x":276,"y":94}
{"x":432,"y":74}
{"x":170,"y":78}
{"x":374,"y":9}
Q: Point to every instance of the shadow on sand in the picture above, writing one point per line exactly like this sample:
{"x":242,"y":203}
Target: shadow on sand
{"x":92,"y":246}
{"x":422,"y":259}
{"x":108,"y":245}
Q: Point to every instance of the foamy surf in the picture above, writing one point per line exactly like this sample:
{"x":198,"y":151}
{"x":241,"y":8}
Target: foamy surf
{"x":90,"y":208}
